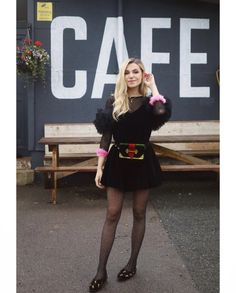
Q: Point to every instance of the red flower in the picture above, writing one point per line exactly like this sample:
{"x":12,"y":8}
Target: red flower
{"x":38,"y":43}
{"x":27,"y":41}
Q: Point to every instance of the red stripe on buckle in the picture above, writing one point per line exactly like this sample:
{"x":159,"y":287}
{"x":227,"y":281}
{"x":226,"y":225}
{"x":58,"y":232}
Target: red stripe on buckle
{"x":131,"y":150}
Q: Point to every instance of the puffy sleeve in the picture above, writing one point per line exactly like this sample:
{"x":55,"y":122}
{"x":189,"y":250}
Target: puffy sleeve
{"x":160,"y":112}
{"x":104,"y":119}
{"x":103,"y":123}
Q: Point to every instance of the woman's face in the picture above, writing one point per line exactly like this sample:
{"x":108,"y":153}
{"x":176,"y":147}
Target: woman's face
{"x":133,"y":75}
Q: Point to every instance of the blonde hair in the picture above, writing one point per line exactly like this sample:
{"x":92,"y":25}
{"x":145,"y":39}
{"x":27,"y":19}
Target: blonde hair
{"x":121,"y":103}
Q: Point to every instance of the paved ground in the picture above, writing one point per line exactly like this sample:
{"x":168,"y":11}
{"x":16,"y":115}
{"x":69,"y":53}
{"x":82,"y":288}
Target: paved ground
{"x":58,"y":245}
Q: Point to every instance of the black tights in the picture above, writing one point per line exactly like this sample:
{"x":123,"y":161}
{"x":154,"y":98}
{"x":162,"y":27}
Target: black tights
{"x":115,"y":202}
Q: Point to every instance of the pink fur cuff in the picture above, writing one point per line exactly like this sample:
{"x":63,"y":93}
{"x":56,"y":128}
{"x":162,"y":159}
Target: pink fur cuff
{"x":155,"y":99}
{"x":101,"y":153}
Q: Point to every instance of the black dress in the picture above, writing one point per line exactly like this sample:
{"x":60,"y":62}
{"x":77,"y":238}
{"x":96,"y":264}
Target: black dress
{"x":132,"y":127}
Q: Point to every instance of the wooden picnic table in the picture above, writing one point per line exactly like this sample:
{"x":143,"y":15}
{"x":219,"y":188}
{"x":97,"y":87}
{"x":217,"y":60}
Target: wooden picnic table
{"x":89,"y":165}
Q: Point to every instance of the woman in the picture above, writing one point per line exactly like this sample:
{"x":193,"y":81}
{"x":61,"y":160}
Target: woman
{"x":131,"y":164}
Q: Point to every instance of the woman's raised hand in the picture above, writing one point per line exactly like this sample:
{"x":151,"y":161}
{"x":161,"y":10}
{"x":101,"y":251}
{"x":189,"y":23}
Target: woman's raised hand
{"x":149,"y":79}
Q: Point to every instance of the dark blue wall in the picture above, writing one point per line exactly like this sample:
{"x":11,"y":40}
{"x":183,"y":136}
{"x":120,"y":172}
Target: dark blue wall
{"x":84,"y":55}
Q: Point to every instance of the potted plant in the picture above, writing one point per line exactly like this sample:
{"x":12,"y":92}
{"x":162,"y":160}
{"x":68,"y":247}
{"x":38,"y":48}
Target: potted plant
{"x":32,"y":60}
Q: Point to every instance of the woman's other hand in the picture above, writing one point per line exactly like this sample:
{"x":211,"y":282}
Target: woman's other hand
{"x":98,"y":178}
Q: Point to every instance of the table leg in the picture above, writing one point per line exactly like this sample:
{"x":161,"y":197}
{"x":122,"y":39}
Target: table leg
{"x":54,"y":190}
{"x":55,"y":163}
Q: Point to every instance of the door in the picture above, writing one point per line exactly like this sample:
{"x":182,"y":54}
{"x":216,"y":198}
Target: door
{"x":21,"y":106}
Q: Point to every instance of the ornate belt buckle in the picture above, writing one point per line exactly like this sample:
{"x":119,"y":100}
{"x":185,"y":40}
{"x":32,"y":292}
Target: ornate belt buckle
{"x":131,"y":151}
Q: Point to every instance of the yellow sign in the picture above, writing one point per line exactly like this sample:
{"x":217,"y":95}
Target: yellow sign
{"x":44,"y":11}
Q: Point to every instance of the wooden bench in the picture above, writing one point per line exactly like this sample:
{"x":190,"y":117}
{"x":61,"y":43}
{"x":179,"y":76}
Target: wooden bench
{"x":180,"y":141}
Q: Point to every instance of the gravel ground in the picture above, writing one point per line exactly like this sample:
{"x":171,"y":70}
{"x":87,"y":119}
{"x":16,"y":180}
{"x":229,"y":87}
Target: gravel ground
{"x":189,"y":211}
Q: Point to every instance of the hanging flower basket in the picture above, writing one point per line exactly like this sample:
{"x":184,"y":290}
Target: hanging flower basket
{"x":32,"y":60}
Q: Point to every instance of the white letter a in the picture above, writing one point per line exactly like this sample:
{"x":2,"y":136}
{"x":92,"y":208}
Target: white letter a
{"x":114,"y":30}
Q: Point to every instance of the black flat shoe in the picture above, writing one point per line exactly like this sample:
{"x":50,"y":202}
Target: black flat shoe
{"x":125,"y":275}
{"x":97,"y":284}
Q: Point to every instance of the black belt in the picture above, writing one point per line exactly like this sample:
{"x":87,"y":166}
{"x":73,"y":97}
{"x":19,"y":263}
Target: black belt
{"x":131,"y":150}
